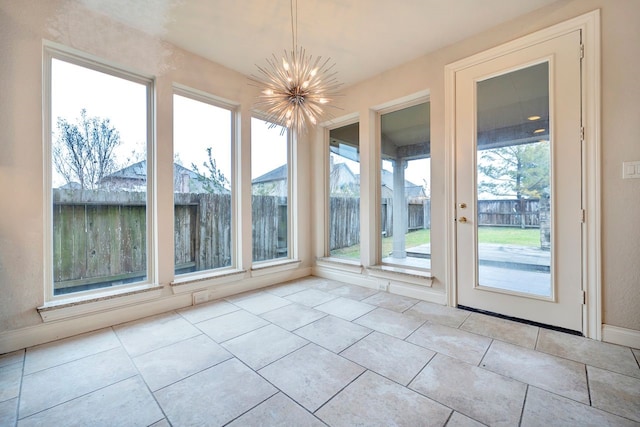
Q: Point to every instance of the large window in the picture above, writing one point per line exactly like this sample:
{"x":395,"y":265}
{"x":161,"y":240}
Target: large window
{"x":270,"y":192}
{"x":99,"y":139}
{"x":405,"y":190}
{"x":202,"y":183}
{"x":344,"y":192}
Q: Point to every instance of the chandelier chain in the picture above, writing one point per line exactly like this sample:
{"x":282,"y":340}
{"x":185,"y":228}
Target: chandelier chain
{"x":294,"y":25}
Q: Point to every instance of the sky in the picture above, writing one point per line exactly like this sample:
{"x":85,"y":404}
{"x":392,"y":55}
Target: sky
{"x":122,"y":101}
{"x":197,"y":125}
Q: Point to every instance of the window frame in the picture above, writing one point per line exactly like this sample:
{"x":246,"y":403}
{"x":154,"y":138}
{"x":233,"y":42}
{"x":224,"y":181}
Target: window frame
{"x":420,"y":98}
{"x":347,"y":121}
{"x":233,"y":108}
{"x":59,"y":52}
{"x":291,"y":250}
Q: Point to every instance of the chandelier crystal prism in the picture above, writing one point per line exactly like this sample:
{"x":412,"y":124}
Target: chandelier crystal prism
{"x":297,"y":89}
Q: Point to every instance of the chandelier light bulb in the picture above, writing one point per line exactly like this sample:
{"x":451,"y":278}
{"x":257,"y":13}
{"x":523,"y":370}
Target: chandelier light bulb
{"x":296,"y":87}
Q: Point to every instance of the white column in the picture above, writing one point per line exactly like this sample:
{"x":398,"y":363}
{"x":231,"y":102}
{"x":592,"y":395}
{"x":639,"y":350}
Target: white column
{"x":399,"y":209}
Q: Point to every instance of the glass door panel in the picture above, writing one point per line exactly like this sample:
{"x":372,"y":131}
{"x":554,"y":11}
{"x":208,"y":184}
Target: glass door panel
{"x":513,"y":192}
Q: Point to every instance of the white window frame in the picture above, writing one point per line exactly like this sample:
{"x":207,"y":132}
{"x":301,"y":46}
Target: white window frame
{"x":56,"y":51}
{"x":355,"y":264}
{"x":419,"y":98}
{"x":291,"y":201}
{"x":233,"y":108}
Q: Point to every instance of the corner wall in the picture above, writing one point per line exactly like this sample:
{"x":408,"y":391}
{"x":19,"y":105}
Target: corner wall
{"x":620,"y":134}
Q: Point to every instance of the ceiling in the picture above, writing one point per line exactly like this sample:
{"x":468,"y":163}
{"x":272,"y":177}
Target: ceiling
{"x":363,"y":37}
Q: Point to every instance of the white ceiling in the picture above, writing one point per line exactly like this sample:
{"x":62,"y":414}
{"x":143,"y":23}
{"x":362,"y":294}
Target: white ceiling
{"x":363,"y":37}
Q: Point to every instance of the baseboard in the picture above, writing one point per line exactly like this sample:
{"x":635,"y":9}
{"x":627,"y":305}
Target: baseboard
{"x":45,"y":332}
{"x":58,"y":329}
{"x":345,"y":276}
{"x":621,"y":336}
{"x":413,"y":290}
{"x":423,"y":293}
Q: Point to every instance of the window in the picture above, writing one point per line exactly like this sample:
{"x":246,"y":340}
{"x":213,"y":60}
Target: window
{"x":270,"y":193}
{"x":97,"y":148}
{"x":202,"y":183}
{"x":344,"y":192}
{"x":405,"y":191}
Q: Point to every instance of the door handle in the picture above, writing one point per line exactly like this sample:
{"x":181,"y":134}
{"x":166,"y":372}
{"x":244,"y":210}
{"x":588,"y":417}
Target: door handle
{"x":462,"y":219}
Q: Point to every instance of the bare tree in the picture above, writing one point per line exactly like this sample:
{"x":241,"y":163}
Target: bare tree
{"x":212,"y":180}
{"x":83,"y":151}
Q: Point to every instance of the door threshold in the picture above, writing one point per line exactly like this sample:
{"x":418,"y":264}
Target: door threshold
{"x":519,"y":320}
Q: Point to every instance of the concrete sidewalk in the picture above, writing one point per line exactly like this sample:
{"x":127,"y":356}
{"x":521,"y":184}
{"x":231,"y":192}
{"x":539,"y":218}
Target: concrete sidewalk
{"x":498,"y":255}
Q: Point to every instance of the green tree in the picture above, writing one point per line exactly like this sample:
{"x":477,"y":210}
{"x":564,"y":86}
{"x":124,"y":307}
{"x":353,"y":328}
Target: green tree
{"x":83,"y":151}
{"x":212,"y":178}
{"x":520,"y":170}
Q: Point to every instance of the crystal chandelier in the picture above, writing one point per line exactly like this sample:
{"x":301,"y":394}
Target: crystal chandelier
{"x":297,"y":89}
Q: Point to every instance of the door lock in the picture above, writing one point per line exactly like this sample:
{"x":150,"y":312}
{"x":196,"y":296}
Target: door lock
{"x":462,"y":219}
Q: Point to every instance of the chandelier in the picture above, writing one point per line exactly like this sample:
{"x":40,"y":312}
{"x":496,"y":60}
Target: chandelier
{"x":297,"y":89}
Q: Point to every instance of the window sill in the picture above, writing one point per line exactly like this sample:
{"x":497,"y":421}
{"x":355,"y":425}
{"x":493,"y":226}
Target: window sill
{"x":269,"y":267}
{"x":340,"y":264}
{"x":80,"y":306}
{"x":402,"y":274}
{"x":199,"y":281}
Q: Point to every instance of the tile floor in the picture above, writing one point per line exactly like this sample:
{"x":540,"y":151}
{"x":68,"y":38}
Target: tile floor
{"x":317,"y":352}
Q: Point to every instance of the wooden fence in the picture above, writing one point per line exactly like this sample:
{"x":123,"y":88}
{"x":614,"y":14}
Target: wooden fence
{"x":498,"y":213}
{"x":97,"y":234}
{"x":344,"y":222}
{"x":202,"y":231}
{"x":523,"y":213}
{"x":418,"y":215}
{"x":269,"y":230}
{"x":100,"y":237}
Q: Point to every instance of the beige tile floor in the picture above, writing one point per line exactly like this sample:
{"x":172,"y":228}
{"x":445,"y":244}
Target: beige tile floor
{"x":317,"y":352}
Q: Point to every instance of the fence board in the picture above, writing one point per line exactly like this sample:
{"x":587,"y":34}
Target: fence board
{"x":511,"y":213}
{"x":268,"y":221}
{"x":344,"y":220}
{"x":101,"y":235}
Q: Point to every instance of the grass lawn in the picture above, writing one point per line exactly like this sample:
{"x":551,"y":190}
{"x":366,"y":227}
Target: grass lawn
{"x":509,"y":236}
{"x":498,"y":235}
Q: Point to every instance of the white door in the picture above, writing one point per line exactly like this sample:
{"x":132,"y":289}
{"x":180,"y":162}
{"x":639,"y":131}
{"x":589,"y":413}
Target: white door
{"x":519,"y":184}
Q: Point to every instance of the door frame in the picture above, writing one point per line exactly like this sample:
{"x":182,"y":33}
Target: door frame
{"x":589,"y":24}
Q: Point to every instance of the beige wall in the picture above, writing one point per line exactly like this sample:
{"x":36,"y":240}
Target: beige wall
{"x":24,"y":24}
{"x":620,"y":135}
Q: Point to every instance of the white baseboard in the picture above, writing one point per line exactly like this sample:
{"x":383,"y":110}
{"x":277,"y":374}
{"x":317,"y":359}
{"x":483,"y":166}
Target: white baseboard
{"x":346,"y":276}
{"x":58,"y":329}
{"x":621,"y":336}
{"x":423,"y":293}
{"x":413,"y":290}
{"x":45,"y":332}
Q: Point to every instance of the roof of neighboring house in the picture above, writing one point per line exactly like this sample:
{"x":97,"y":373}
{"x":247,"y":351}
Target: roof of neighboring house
{"x":280,"y":173}
{"x":410,"y":189}
{"x":138,"y":172}
{"x":343,"y":167}
{"x":277,"y":174}
{"x":133,"y":171}
{"x":71,"y":186}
